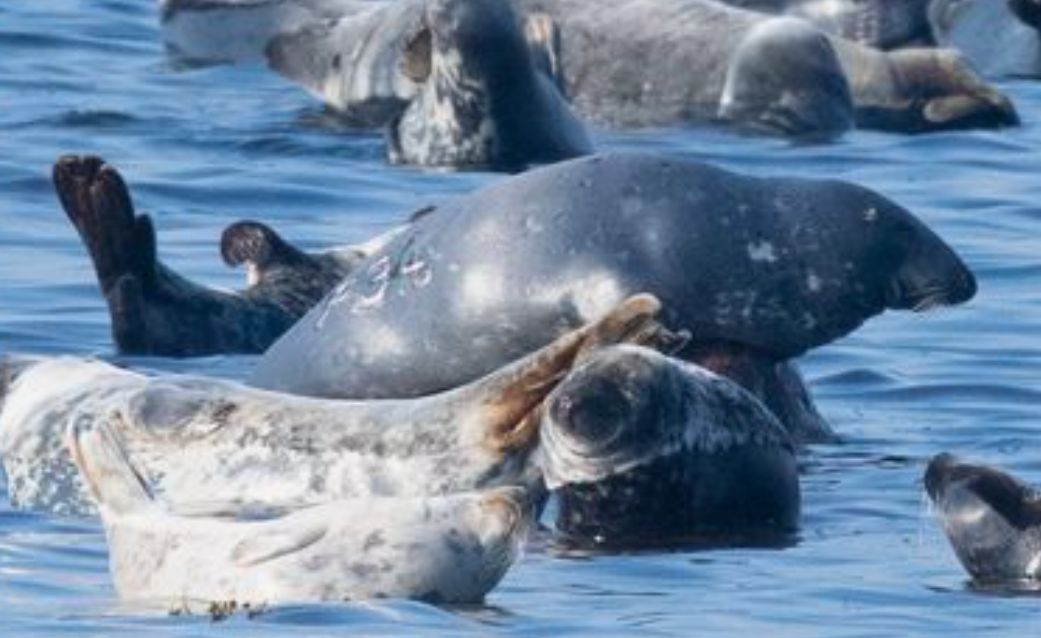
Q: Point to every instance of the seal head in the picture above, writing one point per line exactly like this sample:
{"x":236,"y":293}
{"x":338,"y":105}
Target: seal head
{"x":642,"y":449}
{"x":992,"y":520}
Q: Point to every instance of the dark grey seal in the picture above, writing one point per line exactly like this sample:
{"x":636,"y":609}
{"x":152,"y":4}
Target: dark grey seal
{"x":643,"y":449}
{"x":759,"y":270}
{"x":156,"y":311}
{"x":992,"y":520}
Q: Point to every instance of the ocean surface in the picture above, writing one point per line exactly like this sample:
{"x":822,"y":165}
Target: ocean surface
{"x":204,"y":147}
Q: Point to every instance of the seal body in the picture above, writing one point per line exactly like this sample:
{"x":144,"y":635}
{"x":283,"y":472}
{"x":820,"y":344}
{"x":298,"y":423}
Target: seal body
{"x":773,"y":266}
{"x":192,"y":439}
{"x":992,"y":520}
{"x":998,"y":38}
{"x":639,"y":62}
{"x":644,"y":449}
{"x":449,"y":549}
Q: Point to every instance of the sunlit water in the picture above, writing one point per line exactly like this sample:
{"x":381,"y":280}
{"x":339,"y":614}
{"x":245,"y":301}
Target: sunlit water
{"x":202,"y":148}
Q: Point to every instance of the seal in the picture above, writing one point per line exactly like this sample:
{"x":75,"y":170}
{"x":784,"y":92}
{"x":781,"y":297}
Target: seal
{"x":759,"y":270}
{"x":997,"y":38}
{"x":992,"y":520}
{"x":880,"y":24}
{"x":643,"y":449}
{"x":447,"y":549}
{"x":621,"y":62}
{"x":192,"y":438}
{"x":157,"y":312}
{"x":453,"y":82}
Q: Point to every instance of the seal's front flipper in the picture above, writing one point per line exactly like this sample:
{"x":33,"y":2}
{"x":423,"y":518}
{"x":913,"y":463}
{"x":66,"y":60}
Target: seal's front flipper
{"x":116,"y":485}
{"x":278,"y":271}
{"x":511,"y":395}
{"x":260,"y":248}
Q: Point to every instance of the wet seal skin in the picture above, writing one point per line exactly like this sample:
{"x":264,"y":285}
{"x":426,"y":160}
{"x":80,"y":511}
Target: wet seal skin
{"x":758,"y":270}
{"x":190,"y":438}
{"x":642,"y":450}
{"x":449,"y":549}
{"x":992,"y":520}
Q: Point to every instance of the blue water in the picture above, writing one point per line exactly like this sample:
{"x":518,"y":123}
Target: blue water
{"x":202,"y":148}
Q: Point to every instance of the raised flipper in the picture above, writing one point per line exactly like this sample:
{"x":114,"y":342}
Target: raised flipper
{"x":512,"y":394}
{"x":157,"y":312}
{"x":278,"y":271}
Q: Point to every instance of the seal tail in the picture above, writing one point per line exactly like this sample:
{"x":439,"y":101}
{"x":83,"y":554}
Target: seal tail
{"x":117,"y":487}
{"x":98,"y":204}
{"x":121,"y":244}
{"x":512,"y":394}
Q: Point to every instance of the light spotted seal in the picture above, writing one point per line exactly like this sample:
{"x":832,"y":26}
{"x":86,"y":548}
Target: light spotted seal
{"x":192,"y":438}
{"x":664,"y":61}
{"x":644,"y":449}
{"x":992,"y":520}
{"x":997,"y":37}
{"x":453,"y":82}
{"x":445,"y":549}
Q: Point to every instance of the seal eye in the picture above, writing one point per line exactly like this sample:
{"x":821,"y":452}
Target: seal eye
{"x":594,"y":414}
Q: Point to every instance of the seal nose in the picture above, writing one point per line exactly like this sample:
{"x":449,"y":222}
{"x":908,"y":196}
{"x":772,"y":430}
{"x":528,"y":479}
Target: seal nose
{"x":592,"y":413}
{"x":937,"y":473}
{"x":932,"y":275}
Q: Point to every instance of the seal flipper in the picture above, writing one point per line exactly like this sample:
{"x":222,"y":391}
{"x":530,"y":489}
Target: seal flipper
{"x":278,"y":271}
{"x":512,"y":394}
{"x":116,"y":485}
